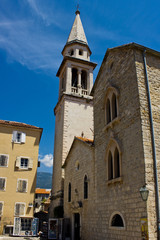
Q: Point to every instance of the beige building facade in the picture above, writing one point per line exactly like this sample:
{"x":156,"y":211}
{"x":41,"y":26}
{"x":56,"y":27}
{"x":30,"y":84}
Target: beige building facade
{"x":19,"y":146}
{"x":103,"y":173}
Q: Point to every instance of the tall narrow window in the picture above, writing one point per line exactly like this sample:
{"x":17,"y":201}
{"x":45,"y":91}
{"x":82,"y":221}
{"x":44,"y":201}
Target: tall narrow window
{"x":108,"y":111}
{"x":114,"y":106}
{"x":74,"y":77}
{"x":111,"y":106}
{"x":113,"y":162}
{"x":84,"y":79}
{"x":110,"y":166}
{"x":85,"y":187}
{"x":116,"y":164}
{"x":63,"y":84}
{"x":2,"y":183}
{"x":69,"y":192}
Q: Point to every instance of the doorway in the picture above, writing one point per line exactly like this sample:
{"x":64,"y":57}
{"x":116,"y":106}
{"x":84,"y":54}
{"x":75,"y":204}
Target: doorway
{"x":76,"y":226}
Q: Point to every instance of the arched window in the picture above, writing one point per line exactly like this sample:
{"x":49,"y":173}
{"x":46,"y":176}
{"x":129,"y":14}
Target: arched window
{"x":74,"y":77}
{"x":110,"y":166}
{"x":84,"y":79}
{"x":108,"y":111}
{"x":85,"y":187}
{"x":111,"y":104}
{"x":113,"y":161}
{"x":69,"y":192}
{"x":117,"y":221}
{"x":114,"y":106}
{"x":116,"y":164}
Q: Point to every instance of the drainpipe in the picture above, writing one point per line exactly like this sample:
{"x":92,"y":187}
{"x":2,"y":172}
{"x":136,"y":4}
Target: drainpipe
{"x":153,"y":145}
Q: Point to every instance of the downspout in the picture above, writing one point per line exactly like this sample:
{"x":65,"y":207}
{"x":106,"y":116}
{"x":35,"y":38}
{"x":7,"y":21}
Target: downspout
{"x":153,"y":145}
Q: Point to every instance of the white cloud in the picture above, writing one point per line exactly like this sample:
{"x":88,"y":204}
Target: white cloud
{"x":34,"y":6}
{"x":47,"y":160}
{"x":36,"y":49}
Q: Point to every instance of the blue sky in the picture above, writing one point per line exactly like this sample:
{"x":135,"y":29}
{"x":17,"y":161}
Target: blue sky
{"x":32,"y":36}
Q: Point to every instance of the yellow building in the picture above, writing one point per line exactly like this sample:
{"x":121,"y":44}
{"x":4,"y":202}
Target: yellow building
{"x":19,"y":145}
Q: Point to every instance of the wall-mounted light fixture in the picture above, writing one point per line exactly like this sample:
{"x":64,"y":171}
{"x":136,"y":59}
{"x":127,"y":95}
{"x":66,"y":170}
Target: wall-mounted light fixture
{"x":144,"y":193}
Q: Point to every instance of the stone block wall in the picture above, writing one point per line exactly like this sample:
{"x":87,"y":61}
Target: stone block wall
{"x":84,"y":154}
{"x":119,"y":71}
{"x":153,"y":72}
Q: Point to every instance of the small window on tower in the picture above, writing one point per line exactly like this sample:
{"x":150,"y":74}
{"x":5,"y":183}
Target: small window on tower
{"x":80,"y":52}
{"x":72,"y":52}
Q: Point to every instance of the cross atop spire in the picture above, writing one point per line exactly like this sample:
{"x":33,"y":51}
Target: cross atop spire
{"x":77,"y":11}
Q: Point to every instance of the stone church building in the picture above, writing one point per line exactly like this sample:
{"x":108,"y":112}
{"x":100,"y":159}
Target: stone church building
{"x":107,"y":141}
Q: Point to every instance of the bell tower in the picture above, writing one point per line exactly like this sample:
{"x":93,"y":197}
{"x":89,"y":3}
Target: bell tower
{"x":76,"y":70}
{"x":74,"y":110}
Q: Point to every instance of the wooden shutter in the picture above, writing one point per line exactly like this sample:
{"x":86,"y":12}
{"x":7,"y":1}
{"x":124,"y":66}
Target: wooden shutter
{"x":14,"y":136}
{"x":17,"y":209}
{"x":30,"y":165}
{"x":1,"y":207}
{"x":22,"y":206}
{"x":18,"y":162}
{"x":17,"y":225}
{"x":24,"y":186}
{"x":23,"y":138}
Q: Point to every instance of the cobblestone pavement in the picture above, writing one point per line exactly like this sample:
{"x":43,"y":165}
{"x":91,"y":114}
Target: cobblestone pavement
{"x":18,"y":238}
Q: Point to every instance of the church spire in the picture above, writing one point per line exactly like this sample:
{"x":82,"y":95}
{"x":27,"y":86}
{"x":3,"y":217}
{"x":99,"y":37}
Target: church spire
{"x":77,"y":33}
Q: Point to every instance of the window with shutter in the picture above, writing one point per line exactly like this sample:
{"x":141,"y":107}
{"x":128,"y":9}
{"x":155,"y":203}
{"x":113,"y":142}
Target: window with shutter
{"x":2,"y":184}
{"x":1,"y":208}
{"x":3,"y":160}
{"x":18,"y":137}
{"x":19,"y":209}
{"x":22,"y":185}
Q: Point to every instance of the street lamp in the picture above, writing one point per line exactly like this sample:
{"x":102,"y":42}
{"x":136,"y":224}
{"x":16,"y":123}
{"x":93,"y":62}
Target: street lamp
{"x":144,"y":193}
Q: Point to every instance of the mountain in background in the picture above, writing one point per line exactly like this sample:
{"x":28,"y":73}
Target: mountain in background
{"x":44,"y":180}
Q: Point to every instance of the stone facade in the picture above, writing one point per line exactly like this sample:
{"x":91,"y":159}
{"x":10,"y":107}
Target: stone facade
{"x":122,"y":72}
{"x":80,"y":163}
{"x":105,"y":167}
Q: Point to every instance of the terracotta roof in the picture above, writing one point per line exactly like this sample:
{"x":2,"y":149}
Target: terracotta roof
{"x":42,"y":191}
{"x":18,"y":124}
{"x":85,"y":139}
